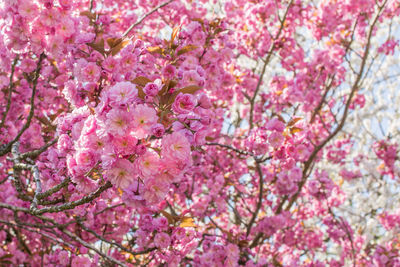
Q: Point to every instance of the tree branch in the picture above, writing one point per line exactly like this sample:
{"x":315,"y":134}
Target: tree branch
{"x":345,"y":113}
{"x":73,"y":204}
{"x":10,"y":87}
{"x":89,"y":246}
{"x":4,"y":149}
{"x":144,"y":17}
{"x":114,"y":243}
{"x":266,"y":62}
{"x":260,"y":198}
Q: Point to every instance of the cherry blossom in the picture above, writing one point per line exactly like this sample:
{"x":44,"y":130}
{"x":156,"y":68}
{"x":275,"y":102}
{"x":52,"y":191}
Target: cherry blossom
{"x":199,"y":133}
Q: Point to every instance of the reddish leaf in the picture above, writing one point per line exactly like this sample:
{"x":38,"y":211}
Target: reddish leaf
{"x":155,"y":49}
{"x":141,"y":80}
{"x":141,"y":93}
{"x":99,"y":46}
{"x":209,"y":138}
{"x":113,"y":41}
{"x":170,"y":218}
{"x":191,"y":89}
{"x":186,"y":49}
{"x":90,"y":15}
{"x":293,"y":121}
{"x":294,"y":130}
{"x":118,"y":46}
{"x":187,"y":222}
{"x":174,"y":34}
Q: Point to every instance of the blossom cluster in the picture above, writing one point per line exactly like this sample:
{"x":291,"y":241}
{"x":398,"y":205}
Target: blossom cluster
{"x":197,"y":133}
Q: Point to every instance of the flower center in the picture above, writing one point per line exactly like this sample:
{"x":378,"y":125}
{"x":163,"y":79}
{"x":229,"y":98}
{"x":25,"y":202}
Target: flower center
{"x":120,"y":122}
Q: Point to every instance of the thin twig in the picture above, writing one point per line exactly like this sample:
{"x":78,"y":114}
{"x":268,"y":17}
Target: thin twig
{"x":108,"y":208}
{"x":114,"y":243}
{"x":144,"y":17}
{"x":32,"y":103}
{"x":354,"y":88}
{"x":89,"y":246}
{"x":10,"y":87}
{"x":266,"y":62}
{"x":73,"y":204}
{"x":54,"y":189}
{"x":4,"y":149}
{"x":260,"y":198}
{"x":58,"y":241}
{"x":242,"y":152}
{"x":35,"y":153}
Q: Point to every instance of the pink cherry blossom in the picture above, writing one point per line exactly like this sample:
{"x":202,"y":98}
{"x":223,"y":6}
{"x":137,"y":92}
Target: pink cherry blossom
{"x":144,"y":118}
{"x":121,"y":174}
{"x":199,"y":133}
{"x":155,"y":191}
{"x":175,"y":146}
{"x":122,"y":93}
{"x":147,"y":164}
{"x":162,"y":240}
{"x":91,"y":72}
{"x":184,"y":103}
{"x":118,"y":122}
{"x":151,"y":89}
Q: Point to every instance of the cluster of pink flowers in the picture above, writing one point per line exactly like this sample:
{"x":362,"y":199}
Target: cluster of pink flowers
{"x":388,"y":154}
{"x":388,"y":47}
{"x":222,"y":144}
